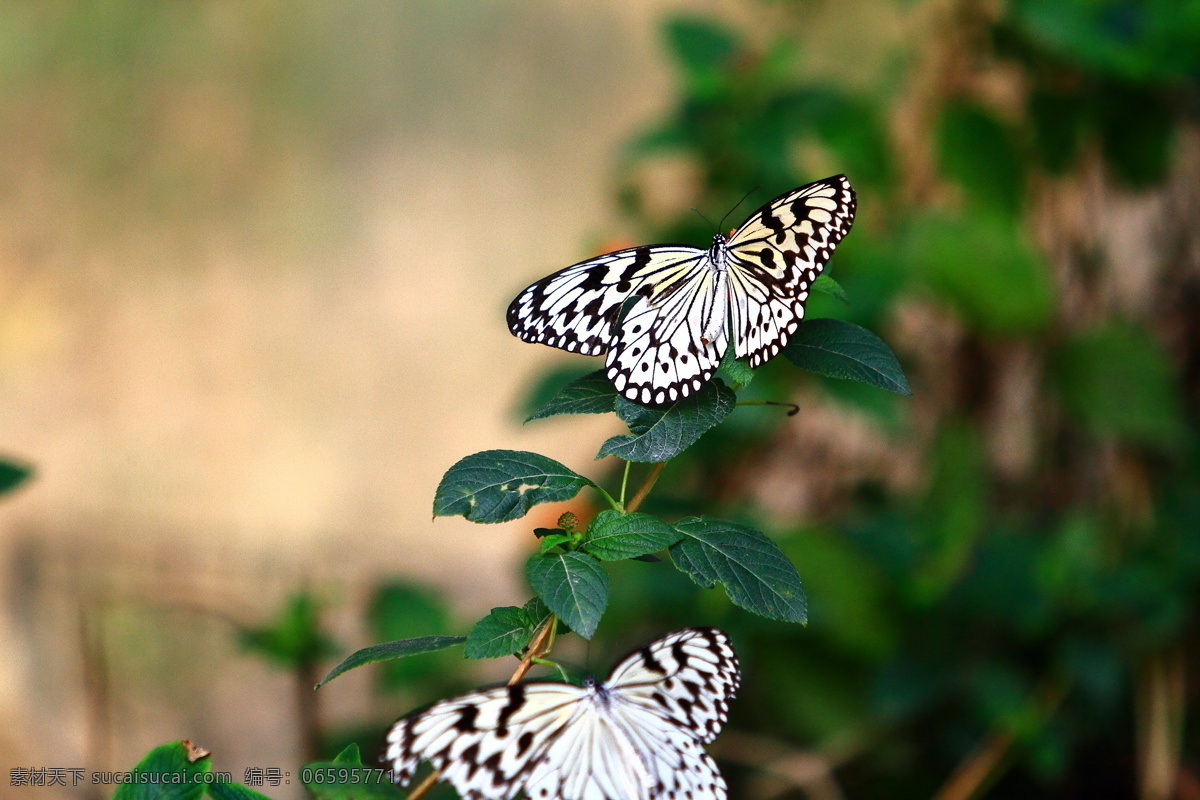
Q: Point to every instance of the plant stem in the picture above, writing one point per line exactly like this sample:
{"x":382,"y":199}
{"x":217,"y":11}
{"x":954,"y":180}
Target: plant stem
{"x":612,"y":502}
{"x":539,"y":646}
{"x":625,"y":481}
{"x":646,"y":486}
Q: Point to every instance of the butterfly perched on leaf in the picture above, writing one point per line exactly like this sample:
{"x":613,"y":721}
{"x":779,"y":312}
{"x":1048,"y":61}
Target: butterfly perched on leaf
{"x":665,"y":313}
{"x":636,"y":736}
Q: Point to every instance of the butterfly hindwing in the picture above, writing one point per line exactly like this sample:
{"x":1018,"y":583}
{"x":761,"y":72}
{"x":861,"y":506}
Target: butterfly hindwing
{"x":636,"y":737}
{"x":659,"y":353}
{"x":774,"y":259}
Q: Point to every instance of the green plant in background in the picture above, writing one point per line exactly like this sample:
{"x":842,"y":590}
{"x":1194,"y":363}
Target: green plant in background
{"x":1020,"y":616}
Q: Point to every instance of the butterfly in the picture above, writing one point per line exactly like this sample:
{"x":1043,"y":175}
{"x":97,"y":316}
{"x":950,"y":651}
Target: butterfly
{"x":636,"y":736}
{"x":664,"y":313}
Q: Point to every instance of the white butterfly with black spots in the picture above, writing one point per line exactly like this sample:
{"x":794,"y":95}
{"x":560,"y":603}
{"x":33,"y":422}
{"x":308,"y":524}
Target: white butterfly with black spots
{"x":664,"y":313}
{"x":637,"y":736}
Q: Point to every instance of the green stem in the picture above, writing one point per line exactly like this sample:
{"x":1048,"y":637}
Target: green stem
{"x":625,"y":481}
{"x":545,"y":662}
{"x":612,"y":502}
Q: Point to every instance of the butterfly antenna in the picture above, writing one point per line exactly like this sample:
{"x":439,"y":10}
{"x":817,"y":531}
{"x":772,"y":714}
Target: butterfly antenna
{"x":706,"y":219}
{"x":735,"y":207}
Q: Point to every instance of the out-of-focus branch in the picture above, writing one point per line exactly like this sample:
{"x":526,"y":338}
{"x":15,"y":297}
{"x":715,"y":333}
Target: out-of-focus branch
{"x":990,"y":758}
{"x":1160,"y":700}
{"x":810,"y":770}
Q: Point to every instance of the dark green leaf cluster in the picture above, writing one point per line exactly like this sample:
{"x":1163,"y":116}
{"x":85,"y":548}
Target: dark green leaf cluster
{"x":567,"y":573}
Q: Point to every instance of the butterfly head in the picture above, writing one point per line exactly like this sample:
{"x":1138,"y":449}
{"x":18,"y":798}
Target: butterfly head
{"x":718,"y":253}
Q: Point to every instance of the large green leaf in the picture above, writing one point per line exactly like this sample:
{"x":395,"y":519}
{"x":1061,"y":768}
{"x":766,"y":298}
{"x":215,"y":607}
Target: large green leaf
{"x":613,"y":536}
{"x":573,"y":585}
{"x":499,"y":485}
{"x":838,"y":349}
{"x":591,"y":394}
{"x":172,"y":771}
{"x":390,"y":650}
{"x":658,"y":433}
{"x":751,"y":567}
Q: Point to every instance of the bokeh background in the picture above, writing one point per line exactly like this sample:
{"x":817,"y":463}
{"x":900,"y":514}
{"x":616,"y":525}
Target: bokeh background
{"x":254,"y":259}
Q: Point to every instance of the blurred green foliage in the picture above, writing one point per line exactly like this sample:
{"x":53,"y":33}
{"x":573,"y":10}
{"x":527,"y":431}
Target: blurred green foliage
{"x":986,"y":600}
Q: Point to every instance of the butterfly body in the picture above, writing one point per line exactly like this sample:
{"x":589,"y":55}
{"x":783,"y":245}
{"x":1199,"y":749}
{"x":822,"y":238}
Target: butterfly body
{"x":636,"y":736}
{"x":664,"y":314}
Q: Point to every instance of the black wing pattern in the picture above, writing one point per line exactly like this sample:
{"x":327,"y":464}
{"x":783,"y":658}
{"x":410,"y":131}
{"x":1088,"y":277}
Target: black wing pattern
{"x":636,"y":737}
{"x":774,"y":259}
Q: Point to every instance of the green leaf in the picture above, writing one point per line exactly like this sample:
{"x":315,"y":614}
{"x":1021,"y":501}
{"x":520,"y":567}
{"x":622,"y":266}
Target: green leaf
{"x":737,"y":370}
{"x":12,"y":475}
{"x":346,"y":779}
{"x":506,"y":630}
{"x":573,"y":585}
{"x":829,"y":286}
{"x":978,"y":153}
{"x":499,"y":485}
{"x":398,"y":610}
{"x":390,"y":650}
{"x":751,"y":567}
{"x":295,"y":638}
{"x":663,"y":432}
{"x":1119,"y":382}
{"x":535,"y":612}
{"x":552,"y":541}
{"x":700,"y":45}
{"x":591,"y":394}
{"x":350,"y":755}
{"x":233,"y":791}
{"x":613,"y":536}
{"x":168,"y":772}
{"x":838,"y":349}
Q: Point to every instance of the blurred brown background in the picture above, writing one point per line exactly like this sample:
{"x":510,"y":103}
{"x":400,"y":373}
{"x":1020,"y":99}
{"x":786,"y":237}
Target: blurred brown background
{"x":254,"y":259}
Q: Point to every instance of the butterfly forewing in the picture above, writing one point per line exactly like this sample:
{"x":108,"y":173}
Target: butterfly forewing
{"x":687,"y":678}
{"x":636,"y":737}
{"x":774,"y":259}
{"x":576,"y":309}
